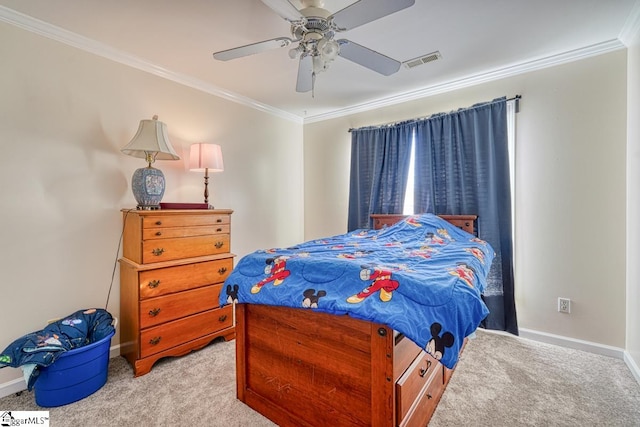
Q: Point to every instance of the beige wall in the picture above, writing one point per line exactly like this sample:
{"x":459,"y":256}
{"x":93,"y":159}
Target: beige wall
{"x":64,"y":115}
{"x":633,"y":203}
{"x":569,"y":195}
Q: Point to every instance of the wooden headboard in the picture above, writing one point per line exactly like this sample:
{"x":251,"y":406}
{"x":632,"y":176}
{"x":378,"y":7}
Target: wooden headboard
{"x":466,"y":222}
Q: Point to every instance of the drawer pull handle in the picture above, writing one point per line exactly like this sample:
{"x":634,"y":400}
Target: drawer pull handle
{"x":154,"y":284}
{"x":219,"y":220}
{"x":219,"y":245}
{"x":222,"y":270}
{"x":222,"y":318}
{"x":155,"y":340}
{"x":157,"y":251}
{"x":158,"y":222}
{"x":218,"y":230}
{"x":423,"y":371}
{"x":158,"y":233}
{"x":154,"y":312}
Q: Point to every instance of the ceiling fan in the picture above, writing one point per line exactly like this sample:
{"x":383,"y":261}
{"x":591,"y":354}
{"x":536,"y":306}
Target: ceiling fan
{"x":314,"y":28}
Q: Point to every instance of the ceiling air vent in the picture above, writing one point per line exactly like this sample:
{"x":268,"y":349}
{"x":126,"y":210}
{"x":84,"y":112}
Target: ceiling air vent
{"x":412,"y":63}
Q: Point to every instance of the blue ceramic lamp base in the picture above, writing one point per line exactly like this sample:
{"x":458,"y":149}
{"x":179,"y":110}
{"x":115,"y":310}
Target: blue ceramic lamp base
{"x":148,"y":187}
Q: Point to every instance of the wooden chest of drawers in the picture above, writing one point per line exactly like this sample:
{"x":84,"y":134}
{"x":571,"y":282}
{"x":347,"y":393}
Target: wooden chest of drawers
{"x":171,"y":274}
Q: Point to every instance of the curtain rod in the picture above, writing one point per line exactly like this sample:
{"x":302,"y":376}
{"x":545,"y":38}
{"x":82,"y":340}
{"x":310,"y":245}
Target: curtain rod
{"x":515,"y":98}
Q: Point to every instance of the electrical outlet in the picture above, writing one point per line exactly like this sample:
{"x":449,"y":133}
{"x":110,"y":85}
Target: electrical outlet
{"x":564,"y":305}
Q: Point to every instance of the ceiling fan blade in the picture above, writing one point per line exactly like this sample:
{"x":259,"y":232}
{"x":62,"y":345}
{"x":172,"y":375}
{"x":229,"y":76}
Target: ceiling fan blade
{"x":368,"y":58}
{"x":364,"y":11}
{"x":305,"y":74}
{"x":251,"y":49}
{"x":285,"y":9}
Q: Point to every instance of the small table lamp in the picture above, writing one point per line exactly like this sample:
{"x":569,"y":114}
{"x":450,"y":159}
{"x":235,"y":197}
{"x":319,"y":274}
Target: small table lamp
{"x":150,"y":143}
{"x":206,"y":157}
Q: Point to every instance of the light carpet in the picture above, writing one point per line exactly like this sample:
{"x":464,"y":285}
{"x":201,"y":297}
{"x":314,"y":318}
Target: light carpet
{"x":501,"y":380}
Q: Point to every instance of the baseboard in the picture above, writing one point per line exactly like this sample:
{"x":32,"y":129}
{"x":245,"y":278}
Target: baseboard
{"x":633,"y":366}
{"x":14,"y":386}
{"x":17,"y":385}
{"x":591,"y":347}
{"x":576,"y":344}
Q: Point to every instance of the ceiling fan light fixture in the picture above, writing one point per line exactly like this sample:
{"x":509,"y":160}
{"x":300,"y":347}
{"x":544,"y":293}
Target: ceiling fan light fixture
{"x":293,"y":53}
{"x":329,"y":49}
{"x":314,"y":28}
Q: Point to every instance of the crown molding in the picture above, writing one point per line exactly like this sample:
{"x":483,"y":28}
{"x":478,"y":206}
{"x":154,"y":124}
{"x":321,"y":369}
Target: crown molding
{"x":25,"y":22}
{"x":472,"y":80}
{"x":61,"y":35}
{"x":631,"y":30}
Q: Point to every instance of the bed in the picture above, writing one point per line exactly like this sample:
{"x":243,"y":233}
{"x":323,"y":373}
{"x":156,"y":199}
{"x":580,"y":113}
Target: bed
{"x":345,"y":331}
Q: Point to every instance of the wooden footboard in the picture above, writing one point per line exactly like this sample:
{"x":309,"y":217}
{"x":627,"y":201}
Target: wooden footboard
{"x":303,"y":368}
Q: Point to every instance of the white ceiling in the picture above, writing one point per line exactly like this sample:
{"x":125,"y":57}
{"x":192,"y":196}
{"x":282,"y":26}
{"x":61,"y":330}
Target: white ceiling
{"x":478,"y":40}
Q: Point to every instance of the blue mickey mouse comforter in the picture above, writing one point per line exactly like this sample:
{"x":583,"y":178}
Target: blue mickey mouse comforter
{"x":423,"y":277}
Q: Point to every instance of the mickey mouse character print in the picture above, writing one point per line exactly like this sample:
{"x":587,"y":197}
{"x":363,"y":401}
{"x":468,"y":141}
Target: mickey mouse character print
{"x":382,"y":282}
{"x":436,"y":345}
{"x":276,"y":271}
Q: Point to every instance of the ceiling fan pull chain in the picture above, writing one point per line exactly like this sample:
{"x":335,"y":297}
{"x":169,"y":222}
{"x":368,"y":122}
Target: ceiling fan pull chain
{"x":313,"y":84}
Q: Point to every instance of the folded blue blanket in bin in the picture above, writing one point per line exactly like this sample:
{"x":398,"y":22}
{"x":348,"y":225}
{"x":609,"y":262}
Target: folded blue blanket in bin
{"x":42,"y":348}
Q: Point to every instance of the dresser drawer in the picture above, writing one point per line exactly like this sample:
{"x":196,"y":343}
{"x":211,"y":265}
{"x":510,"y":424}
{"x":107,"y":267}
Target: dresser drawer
{"x":171,"y":334}
{"x":422,"y":372}
{"x":189,"y":220}
{"x":155,"y":311}
{"x":163,"y":281}
{"x":185,"y":247}
{"x":172,"y":232}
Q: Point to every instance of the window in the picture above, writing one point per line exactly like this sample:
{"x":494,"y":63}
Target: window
{"x":511,"y":124}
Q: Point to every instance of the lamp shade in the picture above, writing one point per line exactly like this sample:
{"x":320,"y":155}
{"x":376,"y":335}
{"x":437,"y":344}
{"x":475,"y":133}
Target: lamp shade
{"x":206,"y":156}
{"x":151,"y":138}
{"x":150,"y":143}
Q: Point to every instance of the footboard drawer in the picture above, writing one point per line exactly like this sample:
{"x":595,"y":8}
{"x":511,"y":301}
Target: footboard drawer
{"x":404,"y":353}
{"x":425,"y":373}
{"x":422,"y":408}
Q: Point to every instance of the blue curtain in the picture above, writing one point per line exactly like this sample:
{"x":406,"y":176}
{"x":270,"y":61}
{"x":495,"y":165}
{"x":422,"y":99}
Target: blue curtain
{"x":380,"y":159}
{"x":462,"y":167}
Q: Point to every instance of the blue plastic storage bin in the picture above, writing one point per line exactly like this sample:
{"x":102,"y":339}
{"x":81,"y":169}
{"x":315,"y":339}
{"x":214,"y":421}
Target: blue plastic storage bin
{"x":74,"y":375}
